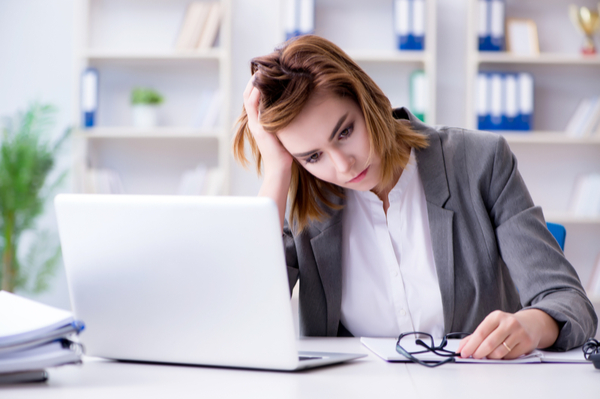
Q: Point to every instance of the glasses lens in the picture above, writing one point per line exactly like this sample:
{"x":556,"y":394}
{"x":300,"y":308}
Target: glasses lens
{"x":416,"y":342}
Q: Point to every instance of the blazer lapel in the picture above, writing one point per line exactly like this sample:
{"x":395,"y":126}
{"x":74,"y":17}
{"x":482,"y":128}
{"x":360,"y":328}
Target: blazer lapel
{"x":327,"y":250}
{"x":430,"y":163}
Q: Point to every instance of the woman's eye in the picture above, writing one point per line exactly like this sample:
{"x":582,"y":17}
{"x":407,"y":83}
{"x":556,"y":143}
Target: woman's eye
{"x":313,"y":158}
{"x":345,"y":133}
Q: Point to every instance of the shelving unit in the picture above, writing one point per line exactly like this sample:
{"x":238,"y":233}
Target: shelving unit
{"x":549,"y":160}
{"x":119,"y":38}
{"x":365,"y":31}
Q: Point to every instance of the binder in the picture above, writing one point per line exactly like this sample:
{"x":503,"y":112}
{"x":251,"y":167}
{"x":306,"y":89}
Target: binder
{"x":526,"y":102}
{"x":510,"y":114}
{"x":491,"y":25}
{"x":89,"y":97}
{"x":419,"y":95}
{"x":409,"y":23}
{"x":483,"y":102}
{"x":299,"y":17}
{"x":496,"y":101}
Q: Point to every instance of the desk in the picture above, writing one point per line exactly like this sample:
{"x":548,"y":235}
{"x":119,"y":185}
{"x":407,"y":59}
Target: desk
{"x":368,"y":377}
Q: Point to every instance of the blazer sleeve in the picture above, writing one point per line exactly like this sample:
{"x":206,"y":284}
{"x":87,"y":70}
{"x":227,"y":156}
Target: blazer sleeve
{"x":291,"y":257}
{"x":544,"y":278}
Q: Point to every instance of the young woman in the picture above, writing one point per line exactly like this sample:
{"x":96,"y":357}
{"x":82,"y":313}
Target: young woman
{"x":395,"y":226}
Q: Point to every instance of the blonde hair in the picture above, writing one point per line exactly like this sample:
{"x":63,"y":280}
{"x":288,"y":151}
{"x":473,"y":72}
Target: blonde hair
{"x":288,"y":77}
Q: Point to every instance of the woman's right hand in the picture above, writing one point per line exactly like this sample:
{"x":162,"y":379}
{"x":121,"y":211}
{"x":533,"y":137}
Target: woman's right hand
{"x":276,"y":159}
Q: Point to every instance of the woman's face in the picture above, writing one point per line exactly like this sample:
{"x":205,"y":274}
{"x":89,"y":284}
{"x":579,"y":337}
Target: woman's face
{"x":329,"y":139}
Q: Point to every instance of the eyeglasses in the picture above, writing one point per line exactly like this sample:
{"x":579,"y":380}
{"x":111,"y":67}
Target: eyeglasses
{"x":425,"y":340}
{"x":590,"y":348}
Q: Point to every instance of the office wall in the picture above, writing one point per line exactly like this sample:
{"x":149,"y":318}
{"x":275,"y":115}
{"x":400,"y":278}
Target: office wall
{"x":36,"y":50}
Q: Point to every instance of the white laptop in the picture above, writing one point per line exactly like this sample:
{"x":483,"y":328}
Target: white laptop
{"x":193,"y":280}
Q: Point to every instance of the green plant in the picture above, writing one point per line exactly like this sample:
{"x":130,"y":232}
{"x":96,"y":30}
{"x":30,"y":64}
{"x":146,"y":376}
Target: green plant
{"x":141,"y":95}
{"x":27,"y":157}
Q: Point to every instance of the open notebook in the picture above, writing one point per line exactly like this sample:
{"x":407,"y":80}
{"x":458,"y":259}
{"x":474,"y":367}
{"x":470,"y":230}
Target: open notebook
{"x":385,"y":348}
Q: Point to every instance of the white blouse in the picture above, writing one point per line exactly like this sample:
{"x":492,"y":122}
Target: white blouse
{"x":389,"y":280}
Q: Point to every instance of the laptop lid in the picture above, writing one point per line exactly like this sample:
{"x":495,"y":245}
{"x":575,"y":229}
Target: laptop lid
{"x":196,"y":280}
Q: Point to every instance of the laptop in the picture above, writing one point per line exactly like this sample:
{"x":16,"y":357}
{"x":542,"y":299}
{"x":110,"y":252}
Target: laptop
{"x":181,"y":279}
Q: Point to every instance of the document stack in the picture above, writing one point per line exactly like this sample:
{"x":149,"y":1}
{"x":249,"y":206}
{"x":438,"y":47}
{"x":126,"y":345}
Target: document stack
{"x":409,"y":22}
{"x":490,"y":30}
{"x":505,"y":101}
{"x":33,"y":337}
{"x":299,"y":17}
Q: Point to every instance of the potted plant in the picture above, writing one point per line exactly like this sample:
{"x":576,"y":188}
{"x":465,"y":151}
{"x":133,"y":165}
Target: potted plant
{"x":145,"y":103}
{"x":27,"y":158}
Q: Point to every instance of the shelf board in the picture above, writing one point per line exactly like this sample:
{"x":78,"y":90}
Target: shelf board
{"x":404,"y":56}
{"x":168,"y":55}
{"x":564,"y":218}
{"x":163,"y":132}
{"x":542,"y":58}
{"x":546,"y":137}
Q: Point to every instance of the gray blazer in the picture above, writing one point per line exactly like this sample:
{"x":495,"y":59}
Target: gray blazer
{"x":491,"y":246}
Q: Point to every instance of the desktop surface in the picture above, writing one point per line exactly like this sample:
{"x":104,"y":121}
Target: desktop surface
{"x":369,"y":377}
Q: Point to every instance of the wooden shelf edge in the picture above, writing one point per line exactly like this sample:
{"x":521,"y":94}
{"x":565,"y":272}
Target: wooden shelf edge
{"x":542,"y":137}
{"x":124,"y":55}
{"x":570,"y":219}
{"x":141,"y":133}
{"x":542,"y":58}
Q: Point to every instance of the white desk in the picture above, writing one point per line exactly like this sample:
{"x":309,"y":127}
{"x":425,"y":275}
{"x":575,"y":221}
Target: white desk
{"x":369,"y":377}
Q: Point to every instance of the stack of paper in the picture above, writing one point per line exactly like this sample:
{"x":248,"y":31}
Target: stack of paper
{"x":34,"y":336}
{"x":385,"y":348}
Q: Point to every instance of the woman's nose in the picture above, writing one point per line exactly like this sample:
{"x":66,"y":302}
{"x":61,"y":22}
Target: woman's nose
{"x":342,"y":162}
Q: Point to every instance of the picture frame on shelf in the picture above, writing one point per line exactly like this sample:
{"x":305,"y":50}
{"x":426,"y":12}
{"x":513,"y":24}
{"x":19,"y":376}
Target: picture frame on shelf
{"x":522,"y":37}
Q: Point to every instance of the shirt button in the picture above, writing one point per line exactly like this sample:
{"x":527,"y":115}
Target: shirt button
{"x":402,"y":312}
{"x":395,"y":273}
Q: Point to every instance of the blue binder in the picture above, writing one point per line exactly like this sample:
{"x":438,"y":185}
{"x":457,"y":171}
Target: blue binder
{"x":300,"y":18}
{"x":89,"y":97}
{"x":526,"y":102}
{"x":409,"y":22}
{"x":491,"y":25}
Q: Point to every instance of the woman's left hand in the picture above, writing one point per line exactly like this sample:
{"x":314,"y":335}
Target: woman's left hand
{"x":504,"y":335}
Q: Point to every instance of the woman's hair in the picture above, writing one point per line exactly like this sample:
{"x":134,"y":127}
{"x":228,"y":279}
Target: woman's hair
{"x":288,"y":77}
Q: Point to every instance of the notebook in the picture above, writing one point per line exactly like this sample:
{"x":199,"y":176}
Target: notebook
{"x":385,"y":348}
{"x":179,"y":279}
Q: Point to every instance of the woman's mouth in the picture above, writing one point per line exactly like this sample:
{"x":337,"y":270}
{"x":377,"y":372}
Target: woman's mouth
{"x":360,"y":176}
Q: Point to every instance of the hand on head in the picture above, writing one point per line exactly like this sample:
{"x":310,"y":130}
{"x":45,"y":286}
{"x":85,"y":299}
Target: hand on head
{"x":504,"y":335}
{"x":275,"y":157}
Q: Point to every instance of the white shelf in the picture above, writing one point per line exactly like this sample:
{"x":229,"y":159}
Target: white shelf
{"x":543,"y":137}
{"x":165,"y":132}
{"x":388,"y":56}
{"x":113,"y":55}
{"x":563,"y":218}
{"x":542,"y":58}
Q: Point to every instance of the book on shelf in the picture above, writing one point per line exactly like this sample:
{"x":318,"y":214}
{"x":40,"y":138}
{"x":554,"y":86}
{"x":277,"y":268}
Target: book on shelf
{"x":409,"y":24}
{"x":34,"y":336}
{"x":419,"y":95}
{"x":200,"y":26}
{"x":299,"y":17}
{"x":103,"y":181}
{"x":585,"y":200}
{"x":505,"y":101}
{"x":585,"y":121}
{"x":201,"y":181}
{"x":211,"y":27}
{"x":490,"y":26}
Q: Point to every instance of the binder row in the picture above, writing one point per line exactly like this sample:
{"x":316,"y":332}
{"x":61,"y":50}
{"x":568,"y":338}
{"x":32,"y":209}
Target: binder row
{"x":504,"y":101}
{"x":299,"y":17}
{"x":409,"y":21}
{"x":490,"y":29}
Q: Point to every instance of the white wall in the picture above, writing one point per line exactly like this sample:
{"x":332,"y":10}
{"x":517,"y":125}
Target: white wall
{"x":36,"y":50}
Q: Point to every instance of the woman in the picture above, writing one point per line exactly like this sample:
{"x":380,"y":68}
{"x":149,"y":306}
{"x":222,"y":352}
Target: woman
{"x":397,"y":226}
